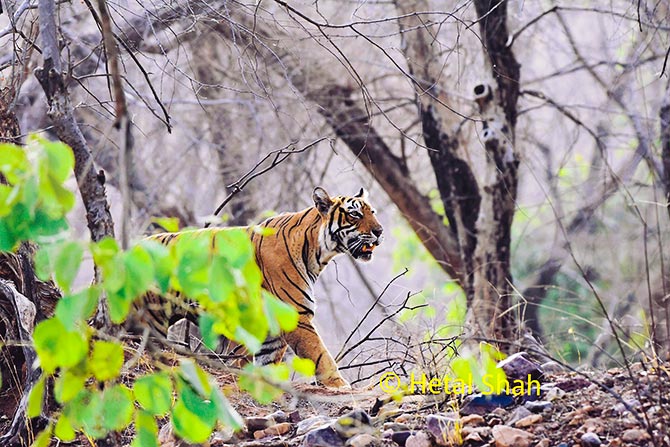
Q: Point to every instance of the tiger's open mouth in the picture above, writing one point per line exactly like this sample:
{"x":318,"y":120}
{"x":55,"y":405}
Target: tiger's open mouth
{"x":363,"y":251}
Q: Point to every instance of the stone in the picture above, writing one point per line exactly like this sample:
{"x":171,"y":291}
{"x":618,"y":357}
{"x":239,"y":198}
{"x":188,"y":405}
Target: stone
{"x":363,"y":440}
{"x":353,"y":423}
{"x":400,"y":437}
{"x":221,"y":437}
{"x":278,"y":429}
{"x":404,"y":418}
{"x":294,"y":417}
{"x":441,"y":428}
{"x":473,"y":419}
{"x":544,"y":442}
{"x":519,"y":367}
{"x":529,"y":420}
{"x":257,"y":423}
{"x":538,"y":406}
{"x":310,"y":423}
{"x":395,"y":426}
{"x":506,"y":436}
{"x":518,"y":414}
{"x":483,"y":432}
{"x":278,"y":417}
{"x":419,"y":439}
{"x":635,"y":435}
{"x":620,"y":408}
{"x":323,"y":437}
{"x":590,"y":439}
{"x":484,"y":403}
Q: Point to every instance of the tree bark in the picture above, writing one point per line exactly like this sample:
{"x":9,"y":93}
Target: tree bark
{"x":61,"y":113}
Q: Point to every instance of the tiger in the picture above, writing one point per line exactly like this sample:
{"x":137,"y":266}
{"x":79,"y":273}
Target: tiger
{"x":291,"y":257}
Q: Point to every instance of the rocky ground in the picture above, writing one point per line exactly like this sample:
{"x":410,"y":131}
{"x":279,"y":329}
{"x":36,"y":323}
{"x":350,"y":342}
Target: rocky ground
{"x":613,"y":408}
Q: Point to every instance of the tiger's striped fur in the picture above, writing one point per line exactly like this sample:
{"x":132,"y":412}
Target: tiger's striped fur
{"x":291,"y":259}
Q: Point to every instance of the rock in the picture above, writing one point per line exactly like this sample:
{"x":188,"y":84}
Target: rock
{"x":294,"y":417}
{"x":483,"y":432}
{"x":441,"y":428}
{"x":544,"y":442}
{"x":635,"y":435}
{"x":484,"y":403}
{"x":278,"y":417}
{"x":221,"y":437}
{"x":528,"y":421}
{"x":506,"y":436}
{"x":310,"y":423}
{"x":323,"y":437}
{"x":595,"y":425}
{"x":590,"y":439}
{"x":257,"y":423}
{"x":472,"y":419}
{"x":395,"y":426}
{"x":353,"y":423}
{"x":552,"y":367}
{"x":259,"y":434}
{"x":473,"y":438}
{"x":538,"y":406}
{"x":404,"y":418}
{"x":363,"y":440}
{"x":419,"y":439}
{"x":518,"y":414}
{"x":519,"y":367}
{"x":620,"y":408}
{"x":400,"y":437}
{"x":573,"y":384}
{"x":278,"y":429}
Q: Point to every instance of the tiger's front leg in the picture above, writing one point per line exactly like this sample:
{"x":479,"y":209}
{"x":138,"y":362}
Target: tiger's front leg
{"x":307,"y":343}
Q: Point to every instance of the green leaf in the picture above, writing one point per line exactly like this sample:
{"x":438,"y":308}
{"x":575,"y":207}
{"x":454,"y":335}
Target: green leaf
{"x":36,"y":399}
{"x":196,"y":377}
{"x":146,"y":430}
{"x":44,"y":438}
{"x":13,"y":162}
{"x":222,"y":281}
{"x":106,"y":360}
{"x":66,"y":264}
{"x":75,"y":309}
{"x":162,"y":261}
{"x":189,"y":426}
{"x":209,"y":337}
{"x":255,"y":380}
{"x":192,"y":275}
{"x":195,"y":403}
{"x":50,"y":337}
{"x":235,"y":245}
{"x":86,"y":412}
{"x":303,"y":366}
{"x":64,"y":430}
{"x":154,"y":393}
{"x":225,"y":412}
{"x":139,"y":271}
{"x":68,"y":385}
{"x":60,"y":159}
{"x":171,"y":224}
{"x":118,"y":408}
{"x":280,"y":312}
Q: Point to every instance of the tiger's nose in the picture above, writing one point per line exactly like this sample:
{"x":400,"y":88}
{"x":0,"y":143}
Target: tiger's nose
{"x":378,"y":232}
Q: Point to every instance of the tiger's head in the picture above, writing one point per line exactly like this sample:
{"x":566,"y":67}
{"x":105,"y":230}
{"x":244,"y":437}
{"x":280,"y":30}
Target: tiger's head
{"x":350,"y":225}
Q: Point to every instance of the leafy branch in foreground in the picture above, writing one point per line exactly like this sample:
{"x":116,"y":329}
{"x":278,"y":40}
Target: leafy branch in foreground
{"x":86,"y":366}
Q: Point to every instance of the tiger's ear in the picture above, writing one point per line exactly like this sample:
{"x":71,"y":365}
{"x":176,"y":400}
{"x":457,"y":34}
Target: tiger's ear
{"x":322,"y":200}
{"x":363,"y":194}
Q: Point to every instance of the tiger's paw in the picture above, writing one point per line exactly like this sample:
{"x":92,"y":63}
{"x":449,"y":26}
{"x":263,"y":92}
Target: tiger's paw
{"x":335,"y":382}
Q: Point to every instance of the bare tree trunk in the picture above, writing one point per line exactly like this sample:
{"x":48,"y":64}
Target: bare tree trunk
{"x":480,"y":215}
{"x":665,"y":143}
{"x":241,"y":208}
{"x":61,"y":112}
